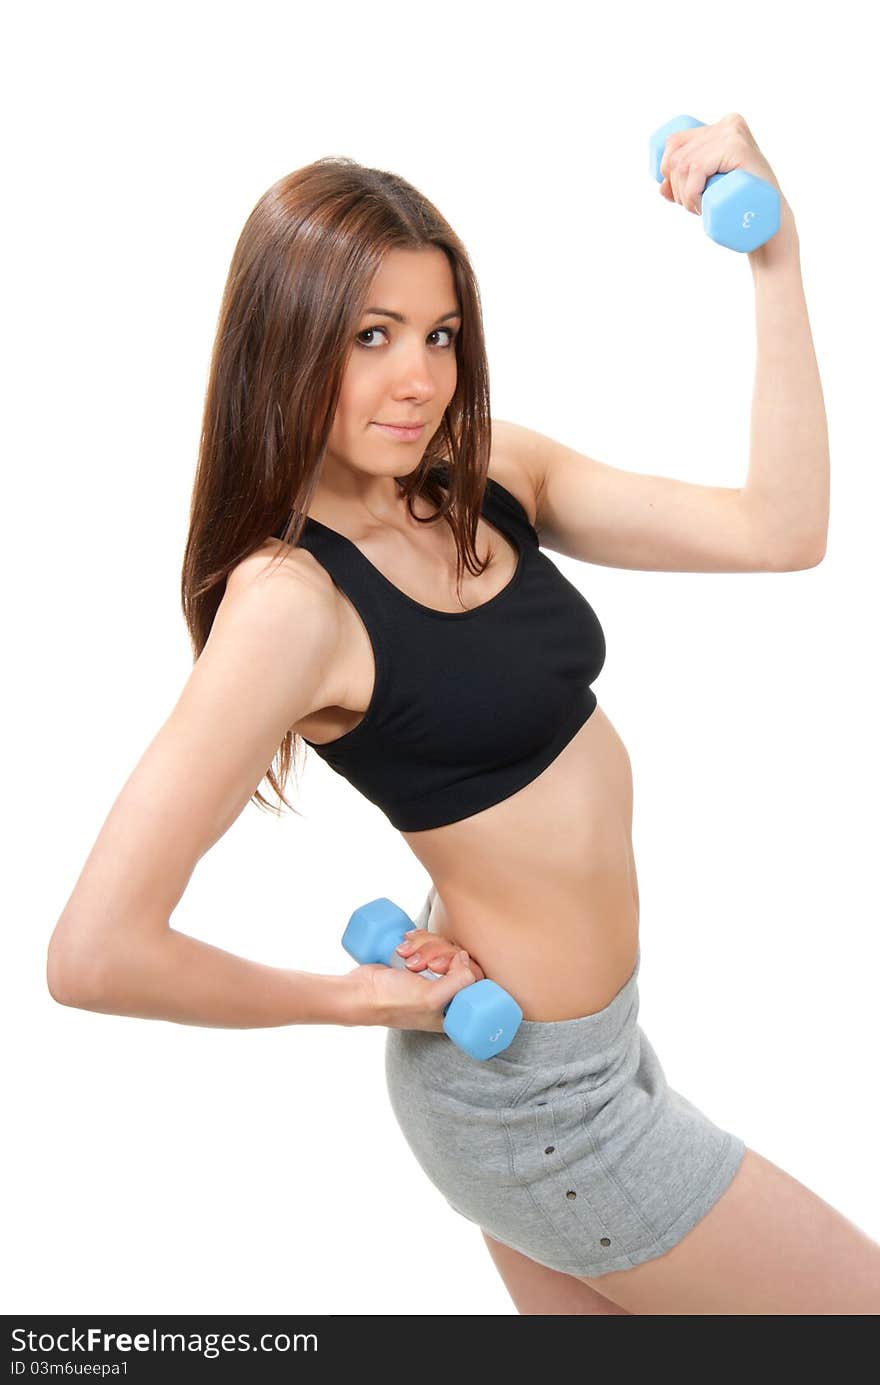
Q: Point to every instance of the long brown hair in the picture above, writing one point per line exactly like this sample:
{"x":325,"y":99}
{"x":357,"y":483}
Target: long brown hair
{"x":295,"y":291}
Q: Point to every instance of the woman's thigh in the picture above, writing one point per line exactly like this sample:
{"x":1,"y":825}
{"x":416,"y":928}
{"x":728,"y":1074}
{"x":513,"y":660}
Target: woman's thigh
{"x":538,"y":1290}
{"x":767,"y":1246}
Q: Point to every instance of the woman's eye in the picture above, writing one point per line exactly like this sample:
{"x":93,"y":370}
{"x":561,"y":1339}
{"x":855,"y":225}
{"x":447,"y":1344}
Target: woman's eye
{"x":365,"y":333}
{"x":449,"y":331}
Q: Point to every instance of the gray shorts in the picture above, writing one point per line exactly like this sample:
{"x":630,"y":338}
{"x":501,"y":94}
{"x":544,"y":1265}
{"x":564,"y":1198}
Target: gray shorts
{"x":569,"y":1145}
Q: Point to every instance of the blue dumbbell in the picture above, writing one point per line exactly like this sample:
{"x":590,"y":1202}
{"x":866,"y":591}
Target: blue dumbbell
{"x":739,"y":210}
{"x":481,"y":1018}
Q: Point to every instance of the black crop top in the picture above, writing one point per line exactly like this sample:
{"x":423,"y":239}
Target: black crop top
{"x":467,"y":706}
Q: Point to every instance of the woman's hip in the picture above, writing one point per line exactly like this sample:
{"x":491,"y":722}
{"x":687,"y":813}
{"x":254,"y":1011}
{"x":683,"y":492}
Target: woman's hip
{"x":569,"y":1145}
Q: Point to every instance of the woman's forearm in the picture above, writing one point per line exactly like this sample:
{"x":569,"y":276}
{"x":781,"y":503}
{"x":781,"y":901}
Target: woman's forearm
{"x":788,"y":476}
{"x":168,"y":975}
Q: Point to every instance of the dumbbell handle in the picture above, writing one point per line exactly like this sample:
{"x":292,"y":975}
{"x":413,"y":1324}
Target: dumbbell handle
{"x":395,"y":960}
{"x":502,"y":1014}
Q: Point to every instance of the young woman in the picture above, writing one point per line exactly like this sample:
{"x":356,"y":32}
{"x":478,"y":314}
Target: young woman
{"x":364,"y":571}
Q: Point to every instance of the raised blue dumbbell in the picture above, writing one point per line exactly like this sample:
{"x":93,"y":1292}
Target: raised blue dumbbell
{"x":739,"y":210}
{"x":481,"y":1018}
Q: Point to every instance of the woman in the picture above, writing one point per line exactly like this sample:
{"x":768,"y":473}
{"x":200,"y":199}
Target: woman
{"x":347,"y":418}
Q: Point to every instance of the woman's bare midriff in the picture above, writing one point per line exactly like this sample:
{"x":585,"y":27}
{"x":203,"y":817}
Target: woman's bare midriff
{"x":541,"y":888}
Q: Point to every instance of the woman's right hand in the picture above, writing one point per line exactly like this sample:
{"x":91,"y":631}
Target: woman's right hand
{"x":401,"y":999}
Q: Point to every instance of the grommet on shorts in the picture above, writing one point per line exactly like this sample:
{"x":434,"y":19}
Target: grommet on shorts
{"x":549,"y":1149}
{"x":571,"y":1193}
{"x":604,"y":1241}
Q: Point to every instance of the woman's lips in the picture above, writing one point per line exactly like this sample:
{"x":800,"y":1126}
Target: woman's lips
{"x":402,"y":434}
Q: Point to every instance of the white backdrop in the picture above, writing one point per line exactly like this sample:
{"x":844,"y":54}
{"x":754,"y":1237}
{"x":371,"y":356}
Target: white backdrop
{"x":162,"y":1168}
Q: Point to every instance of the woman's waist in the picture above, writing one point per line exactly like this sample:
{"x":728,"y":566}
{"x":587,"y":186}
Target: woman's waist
{"x":507,"y":875}
{"x":562,"y":947}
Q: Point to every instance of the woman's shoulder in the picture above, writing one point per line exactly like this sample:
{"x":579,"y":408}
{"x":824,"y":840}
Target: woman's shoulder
{"x":287,"y":574}
{"x":508,"y":466}
{"x":287,"y":592}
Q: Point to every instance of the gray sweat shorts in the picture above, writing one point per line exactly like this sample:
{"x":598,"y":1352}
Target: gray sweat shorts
{"x":569,"y":1145}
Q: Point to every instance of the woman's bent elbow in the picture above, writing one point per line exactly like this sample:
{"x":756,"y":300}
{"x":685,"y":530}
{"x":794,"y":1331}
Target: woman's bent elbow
{"x":72,"y":979}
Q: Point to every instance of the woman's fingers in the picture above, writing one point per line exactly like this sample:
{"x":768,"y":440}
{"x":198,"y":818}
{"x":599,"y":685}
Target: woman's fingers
{"x":437,"y":959}
{"x":419,"y":946}
{"x":691,"y":157}
{"x":421,"y":949}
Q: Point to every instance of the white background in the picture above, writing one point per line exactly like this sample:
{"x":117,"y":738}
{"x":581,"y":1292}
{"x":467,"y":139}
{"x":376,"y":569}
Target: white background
{"x":156,"y":1167}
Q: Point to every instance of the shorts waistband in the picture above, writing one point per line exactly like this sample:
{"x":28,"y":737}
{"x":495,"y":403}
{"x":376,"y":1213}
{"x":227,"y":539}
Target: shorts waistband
{"x":560,"y":1041}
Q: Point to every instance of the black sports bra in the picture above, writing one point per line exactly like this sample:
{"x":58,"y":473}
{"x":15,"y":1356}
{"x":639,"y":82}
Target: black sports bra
{"x":467,"y":706}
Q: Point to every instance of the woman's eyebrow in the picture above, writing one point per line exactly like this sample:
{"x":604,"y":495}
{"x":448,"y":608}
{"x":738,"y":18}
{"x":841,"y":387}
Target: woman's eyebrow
{"x":398,"y":317}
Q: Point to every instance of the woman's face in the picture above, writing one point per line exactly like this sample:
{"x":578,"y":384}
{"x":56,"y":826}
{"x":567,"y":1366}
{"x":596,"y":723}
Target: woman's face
{"x":398,"y":371}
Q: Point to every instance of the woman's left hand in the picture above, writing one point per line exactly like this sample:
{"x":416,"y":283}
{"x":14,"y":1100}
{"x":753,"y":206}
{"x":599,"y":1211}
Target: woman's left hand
{"x":691,"y":157}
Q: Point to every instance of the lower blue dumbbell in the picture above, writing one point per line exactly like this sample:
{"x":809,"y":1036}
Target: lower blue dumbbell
{"x":740,"y":211}
{"x":481,"y":1018}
